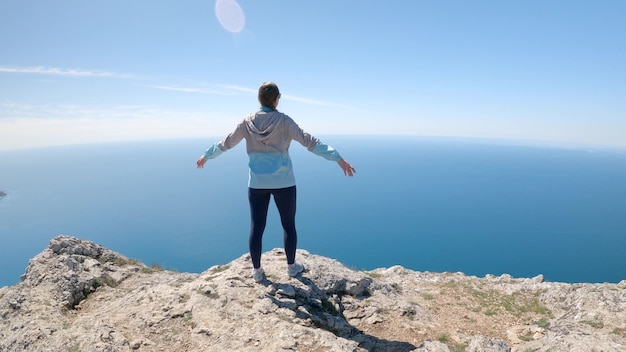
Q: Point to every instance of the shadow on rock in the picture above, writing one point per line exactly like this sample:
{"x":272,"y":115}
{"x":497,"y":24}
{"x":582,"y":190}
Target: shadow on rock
{"x":323,"y":309}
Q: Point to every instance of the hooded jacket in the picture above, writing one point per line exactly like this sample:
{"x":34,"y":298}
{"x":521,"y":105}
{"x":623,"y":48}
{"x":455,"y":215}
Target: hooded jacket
{"x":268,"y":134}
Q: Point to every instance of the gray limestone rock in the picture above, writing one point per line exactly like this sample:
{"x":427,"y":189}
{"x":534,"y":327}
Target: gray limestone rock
{"x":79,"y":296}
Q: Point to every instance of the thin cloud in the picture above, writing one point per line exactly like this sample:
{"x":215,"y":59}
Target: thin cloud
{"x":321,"y":103}
{"x":199,"y":90}
{"x":226,"y":89}
{"x":240,"y":89}
{"x":56,"y":71}
{"x":9,"y":110}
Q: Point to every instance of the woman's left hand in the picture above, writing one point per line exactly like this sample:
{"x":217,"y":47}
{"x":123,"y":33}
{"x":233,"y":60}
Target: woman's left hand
{"x":200,"y":162}
{"x":348,"y":169}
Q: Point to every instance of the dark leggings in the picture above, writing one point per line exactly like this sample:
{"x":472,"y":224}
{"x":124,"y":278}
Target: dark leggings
{"x":285,"y":199}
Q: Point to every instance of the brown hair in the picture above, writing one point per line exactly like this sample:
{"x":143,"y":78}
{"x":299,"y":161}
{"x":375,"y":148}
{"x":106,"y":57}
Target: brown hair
{"x":268,"y":92}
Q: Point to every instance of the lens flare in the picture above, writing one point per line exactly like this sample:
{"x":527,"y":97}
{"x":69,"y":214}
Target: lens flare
{"x":230,"y":15}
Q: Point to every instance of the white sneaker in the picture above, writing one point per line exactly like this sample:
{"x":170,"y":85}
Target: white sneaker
{"x":295,"y":269}
{"x":258,"y":275}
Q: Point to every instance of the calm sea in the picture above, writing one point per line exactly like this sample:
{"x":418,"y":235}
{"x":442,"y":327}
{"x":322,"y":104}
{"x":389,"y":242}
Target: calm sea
{"x":479,"y":207}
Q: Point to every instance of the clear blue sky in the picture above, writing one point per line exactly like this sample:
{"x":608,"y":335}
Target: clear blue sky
{"x":77,"y":71}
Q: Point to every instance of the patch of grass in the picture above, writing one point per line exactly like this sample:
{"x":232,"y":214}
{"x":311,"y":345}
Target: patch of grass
{"x":216,"y":271}
{"x":428,"y":296}
{"x":528,"y":336}
{"x":482,"y":295}
{"x":74,"y":348}
{"x":105,"y":280}
{"x":619,"y":331}
{"x":374,"y":275}
{"x":220,"y":269}
{"x":518,"y":305}
{"x":189,"y":320}
{"x":152,"y":269}
{"x":185,"y":298}
{"x":492,"y":302}
{"x":329,"y":308}
{"x":119,"y":261}
{"x":453,"y":347}
{"x":180,"y":282}
{"x":459,"y":347}
{"x":542,"y":323}
{"x":490,"y":312}
{"x":451,"y":284}
{"x":326,"y":307}
{"x":594,"y":324}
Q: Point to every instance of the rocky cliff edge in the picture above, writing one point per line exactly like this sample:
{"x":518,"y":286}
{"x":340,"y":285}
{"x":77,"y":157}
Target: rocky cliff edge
{"x":79,"y":296}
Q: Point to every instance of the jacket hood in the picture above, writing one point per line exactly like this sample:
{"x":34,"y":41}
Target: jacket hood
{"x":261,"y":125}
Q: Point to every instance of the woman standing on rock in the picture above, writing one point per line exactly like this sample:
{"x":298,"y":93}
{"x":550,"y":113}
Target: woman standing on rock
{"x":268,"y":134}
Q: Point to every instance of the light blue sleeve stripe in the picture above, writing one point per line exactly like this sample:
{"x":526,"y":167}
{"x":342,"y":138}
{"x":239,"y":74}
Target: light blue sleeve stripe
{"x":213,"y":152}
{"x":325,"y":151}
